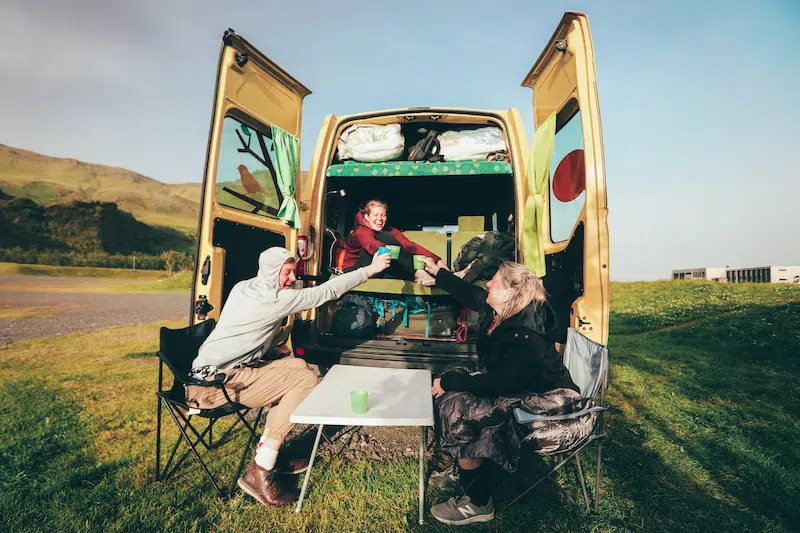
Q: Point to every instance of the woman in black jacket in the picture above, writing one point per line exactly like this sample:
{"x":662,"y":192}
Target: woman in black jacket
{"x":474,"y":410}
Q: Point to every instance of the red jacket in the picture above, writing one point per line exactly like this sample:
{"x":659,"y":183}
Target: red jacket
{"x":363,"y":238}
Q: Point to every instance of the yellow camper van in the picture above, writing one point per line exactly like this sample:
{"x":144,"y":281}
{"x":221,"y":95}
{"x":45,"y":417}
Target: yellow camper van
{"x":547,"y":191}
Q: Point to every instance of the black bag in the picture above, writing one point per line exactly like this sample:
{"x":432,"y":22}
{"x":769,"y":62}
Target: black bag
{"x":355,"y":318}
{"x":488,"y":252}
{"x":427,"y":148}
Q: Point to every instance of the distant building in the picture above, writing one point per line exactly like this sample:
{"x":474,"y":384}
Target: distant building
{"x":711,"y":274}
{"x":766,"y":274}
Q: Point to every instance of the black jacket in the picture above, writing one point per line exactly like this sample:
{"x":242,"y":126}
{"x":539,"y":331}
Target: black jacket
{"x":517,"y":356}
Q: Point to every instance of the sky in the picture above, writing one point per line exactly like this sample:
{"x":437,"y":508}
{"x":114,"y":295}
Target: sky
{"x":698,"y":99}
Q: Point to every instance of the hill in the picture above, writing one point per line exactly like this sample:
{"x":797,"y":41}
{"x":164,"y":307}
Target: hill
{"x":82,"y":227}
{"x":51,"y":180}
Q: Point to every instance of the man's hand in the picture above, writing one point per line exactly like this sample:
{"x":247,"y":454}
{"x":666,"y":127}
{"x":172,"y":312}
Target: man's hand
{"x":431,"y":266}
{"x":282,"y":351}
{"x":379,"y":264}
{"x":441,"y":264}
{"x":461,"y":273}
{"x":437,"y":389}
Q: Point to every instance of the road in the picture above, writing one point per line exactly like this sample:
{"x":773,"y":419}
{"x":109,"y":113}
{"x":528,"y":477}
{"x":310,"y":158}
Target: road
{"x":37,"y":306}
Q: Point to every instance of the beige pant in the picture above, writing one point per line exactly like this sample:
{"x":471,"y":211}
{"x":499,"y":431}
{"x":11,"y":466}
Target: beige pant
{"x":286,"y":381}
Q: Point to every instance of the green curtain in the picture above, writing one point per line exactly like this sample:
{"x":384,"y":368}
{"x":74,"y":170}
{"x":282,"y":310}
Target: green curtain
{"x":287,"y":153}
{"x":538,"y":174}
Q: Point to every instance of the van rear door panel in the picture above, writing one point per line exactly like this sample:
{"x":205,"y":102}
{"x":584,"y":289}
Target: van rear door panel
{"x":563,"y":80}
{"x":241,"y":196}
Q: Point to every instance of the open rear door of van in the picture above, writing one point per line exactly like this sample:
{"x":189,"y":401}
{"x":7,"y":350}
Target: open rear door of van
{"x":251,"y":172}
{"x":573,"y":185}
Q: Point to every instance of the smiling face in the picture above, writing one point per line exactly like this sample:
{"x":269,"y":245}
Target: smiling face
{"x":498,"y":293}
{"x":376,"y":217}
{"x":287,"y":277}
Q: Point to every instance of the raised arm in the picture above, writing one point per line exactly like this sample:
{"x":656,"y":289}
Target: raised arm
{"x":463,"y":291}
{"x":294,"y":301}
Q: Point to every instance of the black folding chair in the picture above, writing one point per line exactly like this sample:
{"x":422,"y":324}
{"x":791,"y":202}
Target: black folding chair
{"x":177,"y":349}
{"x":587,"y":363}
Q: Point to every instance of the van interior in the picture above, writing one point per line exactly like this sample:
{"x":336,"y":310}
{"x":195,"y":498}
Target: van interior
{"x":453,"y":203}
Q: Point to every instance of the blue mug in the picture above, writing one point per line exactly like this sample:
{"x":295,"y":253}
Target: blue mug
{"x":384,"y":250}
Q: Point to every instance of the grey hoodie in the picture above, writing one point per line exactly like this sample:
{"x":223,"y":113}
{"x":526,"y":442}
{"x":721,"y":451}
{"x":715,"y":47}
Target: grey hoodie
{"x":256,"y":307}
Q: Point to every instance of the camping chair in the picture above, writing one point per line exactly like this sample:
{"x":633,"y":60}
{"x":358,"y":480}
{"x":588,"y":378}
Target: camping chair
{"x":587,"y":363}
{"x":177,"y":349}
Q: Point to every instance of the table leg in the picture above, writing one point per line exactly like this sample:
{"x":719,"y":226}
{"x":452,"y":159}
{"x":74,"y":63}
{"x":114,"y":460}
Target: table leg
{"x":308,"y":472}
{"x":421,"y":473}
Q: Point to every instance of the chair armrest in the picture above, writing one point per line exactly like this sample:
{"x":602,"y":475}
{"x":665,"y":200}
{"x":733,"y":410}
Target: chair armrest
{"x":524,"y":417}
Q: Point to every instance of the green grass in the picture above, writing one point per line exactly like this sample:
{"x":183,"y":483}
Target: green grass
{"x":704,"y":384}
{"x":79,"y":272}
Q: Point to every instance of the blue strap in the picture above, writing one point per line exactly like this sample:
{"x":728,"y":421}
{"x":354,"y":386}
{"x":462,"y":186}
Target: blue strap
{"x":428,"y":322}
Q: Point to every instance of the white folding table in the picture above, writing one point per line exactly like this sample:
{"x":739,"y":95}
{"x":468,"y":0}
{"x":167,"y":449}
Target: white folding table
{"x":396,"y":397}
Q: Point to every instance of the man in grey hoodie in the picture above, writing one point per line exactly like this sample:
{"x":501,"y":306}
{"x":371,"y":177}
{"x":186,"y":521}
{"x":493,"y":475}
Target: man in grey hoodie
{"x":249,"y":322}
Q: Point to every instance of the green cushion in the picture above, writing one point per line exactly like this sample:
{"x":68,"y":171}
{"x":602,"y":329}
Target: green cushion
{"x":419,"y":168}
{"x":432,"y":240}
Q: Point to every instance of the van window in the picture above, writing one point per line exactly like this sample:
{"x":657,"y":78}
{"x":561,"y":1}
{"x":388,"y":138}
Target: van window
{"x":245,"y":170}
{"x":567,"y":179}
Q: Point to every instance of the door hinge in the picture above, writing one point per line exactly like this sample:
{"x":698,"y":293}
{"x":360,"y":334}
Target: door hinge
{"x":205,"y":271}
{"x":561,"y":45}
{"x":241,"y":59}
{"x":202,"y":307}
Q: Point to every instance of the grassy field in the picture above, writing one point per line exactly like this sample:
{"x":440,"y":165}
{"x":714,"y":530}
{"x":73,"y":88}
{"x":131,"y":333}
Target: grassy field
{"x":80,"y":272}
{"x":704,"y":384}
{"x":108,"y":280}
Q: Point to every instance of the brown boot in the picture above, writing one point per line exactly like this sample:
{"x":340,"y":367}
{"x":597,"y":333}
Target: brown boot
{"x":291,"y":465}
{"x":262,"y":485}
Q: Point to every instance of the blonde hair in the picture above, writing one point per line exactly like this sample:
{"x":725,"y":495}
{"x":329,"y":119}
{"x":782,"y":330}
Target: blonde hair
{"x":374,"y":203}
{"x":526,"y":287}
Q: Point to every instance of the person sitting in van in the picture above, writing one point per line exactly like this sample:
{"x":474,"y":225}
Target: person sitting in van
{"x":239,"y":347}
{"x":474,"y":410}
{"x":373,"y":231}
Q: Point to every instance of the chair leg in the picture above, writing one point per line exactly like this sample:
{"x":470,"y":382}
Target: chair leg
{"x":583,"y":482}
{"x":211,"y":433}
{"x":550,"y":473}
{"x":188,"y":452}
{"x":194,"y":451}
{"x":158,"y":439}
{"x":597,"y":477}
{"x":250,"y":440}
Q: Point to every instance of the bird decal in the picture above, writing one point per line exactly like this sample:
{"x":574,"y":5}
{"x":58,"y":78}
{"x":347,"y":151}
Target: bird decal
{"x":251,"y":186}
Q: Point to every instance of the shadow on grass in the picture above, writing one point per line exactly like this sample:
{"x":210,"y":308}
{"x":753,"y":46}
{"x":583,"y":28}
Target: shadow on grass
{"x":45,"y":457}
{"x":139,"y":355}
{"x":715,"y":403}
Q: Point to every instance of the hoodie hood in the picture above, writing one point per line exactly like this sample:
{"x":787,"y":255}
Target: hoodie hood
{"x":270,"y":263}
{"x":265,"y":285}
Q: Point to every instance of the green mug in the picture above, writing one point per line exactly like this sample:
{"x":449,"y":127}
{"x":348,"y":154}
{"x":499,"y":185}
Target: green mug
{"x":358,"y":401}
{"x":395,"y":251}
{"x":419,"y":262}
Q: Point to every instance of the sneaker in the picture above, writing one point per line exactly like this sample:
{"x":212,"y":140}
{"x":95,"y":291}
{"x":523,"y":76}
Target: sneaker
{"x":446,"y":479}
{"x":461,"y":511}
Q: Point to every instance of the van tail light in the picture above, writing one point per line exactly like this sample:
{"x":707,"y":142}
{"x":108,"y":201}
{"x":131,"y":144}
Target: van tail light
{"x":301,"y":267}
{"x":302,"y":247}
